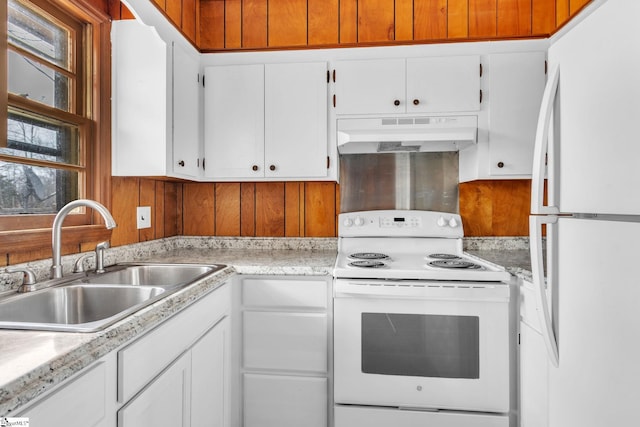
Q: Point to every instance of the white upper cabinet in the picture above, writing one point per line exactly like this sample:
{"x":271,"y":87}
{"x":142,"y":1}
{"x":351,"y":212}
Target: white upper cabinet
{"x":234,"y":121}
{"x":155,"y":104}
{"x":443,"y":84}
{"x":186,"y":124}
{"x":414,"y":85}
{"x":140,"y":115}
{"x":266,"y":121}
{"x":296,"y":120}
{"x":516,"y":84}
{"x":370,"y":86}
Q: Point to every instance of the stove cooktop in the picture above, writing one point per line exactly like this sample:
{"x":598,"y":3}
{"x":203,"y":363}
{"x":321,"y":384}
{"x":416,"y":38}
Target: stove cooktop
{"x":408,"y":245}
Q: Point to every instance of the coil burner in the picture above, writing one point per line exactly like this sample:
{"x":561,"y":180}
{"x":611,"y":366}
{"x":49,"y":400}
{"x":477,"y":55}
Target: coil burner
{"x":455,"y":264}
{"x":368,"y":256}
{"x":367,"y":264}
{"x":444,"y":256}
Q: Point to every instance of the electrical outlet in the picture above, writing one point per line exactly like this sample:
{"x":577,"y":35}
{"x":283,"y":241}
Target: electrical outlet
{"x":143,"y":217}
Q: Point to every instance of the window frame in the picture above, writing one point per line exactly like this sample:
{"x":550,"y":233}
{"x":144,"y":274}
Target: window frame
{"x":91,"y":114}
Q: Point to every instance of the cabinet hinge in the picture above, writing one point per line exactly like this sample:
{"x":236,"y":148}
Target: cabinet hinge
{"x":328,"y":162}
{"x":480,"y":70}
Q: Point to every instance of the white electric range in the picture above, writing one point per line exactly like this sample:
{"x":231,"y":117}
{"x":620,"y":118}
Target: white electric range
{"x":421,"y":329}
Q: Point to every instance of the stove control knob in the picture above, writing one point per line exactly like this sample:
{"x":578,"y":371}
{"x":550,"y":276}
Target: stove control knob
{"x":359,"y":221}
{"x":348,"y":222}
{"x":441,"y":222}
{"x":453,"y":223}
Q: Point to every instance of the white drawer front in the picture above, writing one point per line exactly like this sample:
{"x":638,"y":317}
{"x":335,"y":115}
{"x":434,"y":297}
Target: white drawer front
{"x":287,"y":341}
{"x":283,"y":401}
{"x":308,"y":293}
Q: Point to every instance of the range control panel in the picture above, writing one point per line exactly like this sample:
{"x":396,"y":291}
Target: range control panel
{"x":400,"y":223}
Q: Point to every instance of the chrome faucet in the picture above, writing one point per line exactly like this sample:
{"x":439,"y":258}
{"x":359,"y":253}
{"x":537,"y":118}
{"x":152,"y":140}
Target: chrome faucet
{"x":56,"y":268}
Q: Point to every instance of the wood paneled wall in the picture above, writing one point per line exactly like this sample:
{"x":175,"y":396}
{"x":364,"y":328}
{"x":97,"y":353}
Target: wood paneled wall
{"x":258,"y":24}
{"x":287,"y":209}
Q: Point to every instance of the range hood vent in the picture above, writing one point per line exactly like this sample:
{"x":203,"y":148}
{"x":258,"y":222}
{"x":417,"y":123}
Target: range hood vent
{"x":406,"y":134}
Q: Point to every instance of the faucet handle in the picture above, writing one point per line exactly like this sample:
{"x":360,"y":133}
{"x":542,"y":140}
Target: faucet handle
{"x":28,"y":277}
{"x":100,"y":247}
{"x":78,"y":267}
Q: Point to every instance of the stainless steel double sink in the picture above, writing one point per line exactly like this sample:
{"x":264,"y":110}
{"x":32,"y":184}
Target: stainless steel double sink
{"x":91,"y":302}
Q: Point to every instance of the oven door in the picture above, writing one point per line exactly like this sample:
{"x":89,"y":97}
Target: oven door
{"x":422,"y":345}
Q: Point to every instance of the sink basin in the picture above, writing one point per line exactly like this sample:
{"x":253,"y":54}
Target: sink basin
{"x":92,"y":302}
{"x":75,"y":307}
{"x":163,"y":275}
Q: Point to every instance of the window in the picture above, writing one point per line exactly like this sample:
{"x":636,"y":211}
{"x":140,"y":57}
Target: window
{"x":57,"y":117}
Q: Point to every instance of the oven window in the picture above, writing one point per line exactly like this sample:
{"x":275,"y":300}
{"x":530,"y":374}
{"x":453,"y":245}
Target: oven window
{"x":420,"y":345}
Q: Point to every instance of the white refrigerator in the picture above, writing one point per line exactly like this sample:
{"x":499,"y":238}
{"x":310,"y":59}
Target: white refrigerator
{"x":588,"y":145}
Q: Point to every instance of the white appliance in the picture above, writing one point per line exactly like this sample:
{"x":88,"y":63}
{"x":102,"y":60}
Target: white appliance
{"x":406,"y":134}
{"x":588,"y":305}
{"x":422,"y":331}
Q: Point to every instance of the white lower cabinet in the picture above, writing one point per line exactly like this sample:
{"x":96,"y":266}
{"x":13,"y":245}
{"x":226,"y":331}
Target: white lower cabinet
{"x":164,"y":402}
{"x":285,"y":345}
{"x":210,"y":375}
{"x":86,"y":400}
{"x":177,"y":374}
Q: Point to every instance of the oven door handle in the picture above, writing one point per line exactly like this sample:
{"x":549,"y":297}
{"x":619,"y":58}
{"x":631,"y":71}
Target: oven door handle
{"x":539,"y":284}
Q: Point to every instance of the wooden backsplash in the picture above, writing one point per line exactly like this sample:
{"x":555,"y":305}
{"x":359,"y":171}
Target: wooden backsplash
{"x":287,"y":209}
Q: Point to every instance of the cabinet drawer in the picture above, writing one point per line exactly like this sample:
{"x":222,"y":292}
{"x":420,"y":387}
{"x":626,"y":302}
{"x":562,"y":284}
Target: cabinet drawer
{"x":142,"y":360}
{"x":280,"y":293}
{"x":287,"y":341}
{"x":528,"y":310}
{"x":283,"y":401}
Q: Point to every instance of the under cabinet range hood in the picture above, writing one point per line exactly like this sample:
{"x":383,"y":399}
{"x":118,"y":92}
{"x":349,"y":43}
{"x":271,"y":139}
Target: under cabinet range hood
{"x":406,"y":134}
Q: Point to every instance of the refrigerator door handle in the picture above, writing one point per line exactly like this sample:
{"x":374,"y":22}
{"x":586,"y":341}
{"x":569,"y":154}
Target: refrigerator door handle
{"x":541,"y":145}
{"x":537,"y":266}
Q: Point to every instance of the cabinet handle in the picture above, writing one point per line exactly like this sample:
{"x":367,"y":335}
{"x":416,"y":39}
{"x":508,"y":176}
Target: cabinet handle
{"x":181,"y":163}
{"x":416,"y":102}
{"x":396,"y":102}
{"x":334,"y":101}
{"x":480,"y":96}
{"x":254,"y":168}
{"x":334,"y":75}
{"x":500,"y":165}
{"x":272,"y":168}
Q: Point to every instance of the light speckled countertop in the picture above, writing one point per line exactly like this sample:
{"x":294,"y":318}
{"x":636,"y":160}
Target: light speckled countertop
{"x":32,"y":362}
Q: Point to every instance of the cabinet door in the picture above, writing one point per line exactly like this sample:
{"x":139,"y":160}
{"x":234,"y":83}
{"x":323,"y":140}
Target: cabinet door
{"x":210,"y":369}
{"x":296,"y":120}
{"x":234,"y":121}
{"x":140,"y":124}
{"x":84,"y":402}
{"x":370,"y":86}
{"x":516,"y":84}
{"x":284,"y":401}
{"x":186,"y":135}
{"x":165,"y":402}
{"x":443,"y":84}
